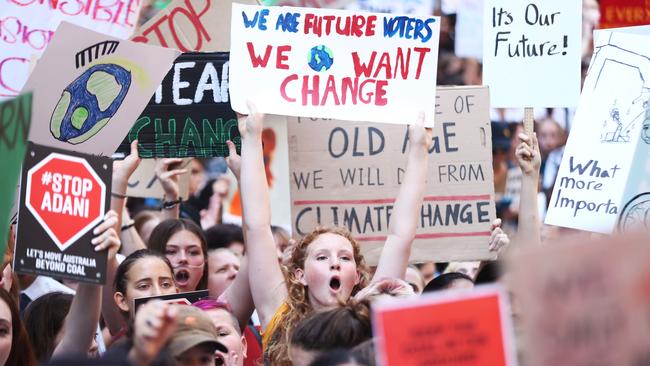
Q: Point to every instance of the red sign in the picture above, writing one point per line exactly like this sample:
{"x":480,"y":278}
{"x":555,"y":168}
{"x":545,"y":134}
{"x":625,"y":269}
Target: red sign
{"x":617,"y":13}
{"x":469,"y":328}
{"x":66,"y":197}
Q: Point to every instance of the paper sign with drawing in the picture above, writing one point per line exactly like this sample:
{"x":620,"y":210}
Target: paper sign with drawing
{"x":98,"y":88}
{"x":333,"y":63}
{"x":603,"y":180}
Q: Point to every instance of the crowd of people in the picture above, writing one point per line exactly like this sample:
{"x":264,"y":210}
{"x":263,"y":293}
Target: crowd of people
{"x":271,"y":299}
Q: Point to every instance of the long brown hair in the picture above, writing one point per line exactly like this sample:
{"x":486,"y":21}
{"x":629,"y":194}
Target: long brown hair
{"x":298,"y":296}
{"x":21,"y":348}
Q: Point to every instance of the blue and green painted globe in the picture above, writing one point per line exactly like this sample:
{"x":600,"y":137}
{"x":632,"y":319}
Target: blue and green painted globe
{"x":320,"y":58}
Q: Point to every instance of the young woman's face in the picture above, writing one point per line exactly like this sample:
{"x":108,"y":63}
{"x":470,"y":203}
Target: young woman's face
{"x":228,"y":335}
{"x":330,"y":271}
{"x":223,"y":266}
{"x":184,"y":252}
{"x":148,"y":276}
{"x":6,"y":332}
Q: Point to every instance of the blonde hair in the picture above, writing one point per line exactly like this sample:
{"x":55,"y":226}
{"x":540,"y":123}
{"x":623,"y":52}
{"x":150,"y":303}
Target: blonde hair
{"x":298,"y":297}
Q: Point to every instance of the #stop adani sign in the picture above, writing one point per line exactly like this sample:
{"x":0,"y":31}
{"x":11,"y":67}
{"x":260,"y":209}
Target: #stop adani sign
{"x":64,"y":196}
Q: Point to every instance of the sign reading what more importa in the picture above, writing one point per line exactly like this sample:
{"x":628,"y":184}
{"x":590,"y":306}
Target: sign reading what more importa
{"x":327,"y":63}
{"x":63,"y":197}
{"x":190,"y":113}
{"x":348,"y":174}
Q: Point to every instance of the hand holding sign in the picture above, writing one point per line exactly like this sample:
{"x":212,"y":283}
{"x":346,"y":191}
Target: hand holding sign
{"x":106,"y":236}
{"x":418,"y":135}
{"x":251,"y":123}
{"x":123,"y":169}
{"x":528,"y":155}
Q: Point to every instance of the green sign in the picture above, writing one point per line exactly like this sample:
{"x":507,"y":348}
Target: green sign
{"x":15,"y":119}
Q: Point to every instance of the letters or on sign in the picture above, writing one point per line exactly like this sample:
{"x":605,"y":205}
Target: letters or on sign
{"x":349,"y":175}
{"x":450,"y":328}
{"x":15,"y":120}
{"x":522,"y":42}
{"x":190,"y":25}
{"x":183,"y":298}
{"x":190,"y":114}
{"x":62,"y":198}
{"x":28,"y":26}
{"x":89,"y":88}
{"x":616,"y":13}
{"x":333,"y":63}
{"x":603,"y":181}
{"x":584,"y":303}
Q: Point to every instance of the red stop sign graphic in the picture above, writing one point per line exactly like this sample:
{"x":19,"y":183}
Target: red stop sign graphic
{"x":66,"y":196}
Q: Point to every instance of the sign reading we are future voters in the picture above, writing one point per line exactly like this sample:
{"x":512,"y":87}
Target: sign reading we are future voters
{"x":333,"y":64}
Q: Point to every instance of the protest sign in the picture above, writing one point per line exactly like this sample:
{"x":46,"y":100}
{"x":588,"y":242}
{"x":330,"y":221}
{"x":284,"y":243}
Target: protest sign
{"x":349,"y":175}
{"x":456,"y":327}
{"x":616,"y":13}
{"x":333,"y":63}
{"x":415,"y":7}
{"x":604,"y":166}
{"x":584,"y":303}
{"x":144,"y":183}
{"x":28,"y":26}
{"x":63,"y":196}
{"x":330,"y":4}
{"x":190,"y":25}
{"x":89,"y":89}
{"x":183,"y":298}
{"x":531,"y":52}
{"x":190,"y":114}
{"x":15,"y":120}
{"x":468,"y":40}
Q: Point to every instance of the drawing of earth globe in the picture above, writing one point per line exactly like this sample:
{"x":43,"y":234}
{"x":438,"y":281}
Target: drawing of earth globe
{"x":320,"y":58}
{"x":636,"y":213}
{"x":87,"y":104}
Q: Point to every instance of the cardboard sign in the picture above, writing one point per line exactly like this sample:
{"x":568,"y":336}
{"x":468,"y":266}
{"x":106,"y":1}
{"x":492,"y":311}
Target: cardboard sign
{"x":522,"y":41}
{"x":616,"y":13}
{"x":89,"y":89}
{"x":585,"y":303}
{"x":349,"y":175}
{"x":183,"y":298}
{"x":329,"y":4}
{"x":604,"y":177}
{"x":63,"y":196}
{"x":190,"y":25}
{"x":28,"y":27}
{"x":469,"y":29}
{"x":190,"y":114}
{"x":417,"y":7}
{"x":15,"y":120}
{"x":333,"y":63}
{"x":455,"y":327}
{"x":144,"y":183}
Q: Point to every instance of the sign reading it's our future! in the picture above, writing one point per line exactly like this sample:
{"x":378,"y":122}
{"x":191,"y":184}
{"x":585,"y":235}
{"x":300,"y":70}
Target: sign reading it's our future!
{"x":333,"y":63}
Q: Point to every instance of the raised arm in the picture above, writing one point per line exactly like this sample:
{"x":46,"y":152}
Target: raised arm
{"x":265,"y":276}
{"x":82,"y":319}
{"x":168,"y":173}
{"x":401,"y":230}
{"x":529,"y":160}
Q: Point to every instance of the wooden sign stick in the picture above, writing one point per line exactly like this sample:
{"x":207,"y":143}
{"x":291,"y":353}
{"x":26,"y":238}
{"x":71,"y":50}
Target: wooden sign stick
{"x":529,"y":122}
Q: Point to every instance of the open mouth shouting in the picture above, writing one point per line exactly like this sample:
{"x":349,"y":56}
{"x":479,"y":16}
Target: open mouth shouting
{"x":182,"y":277}
{"x":219,"y":360}
{"x":335,"y":284}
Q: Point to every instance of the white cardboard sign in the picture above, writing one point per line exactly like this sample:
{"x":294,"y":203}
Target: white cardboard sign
{"x":603,"y":180}
{"x":333,"y":63}
{"x":531,"y":52}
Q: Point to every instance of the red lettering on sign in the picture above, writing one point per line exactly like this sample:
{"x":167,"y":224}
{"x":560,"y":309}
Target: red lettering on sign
{"x":281,"y":58}
{"x":367,"y":91}
{"x":6,"y":90}
{"x":257,"y":60}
